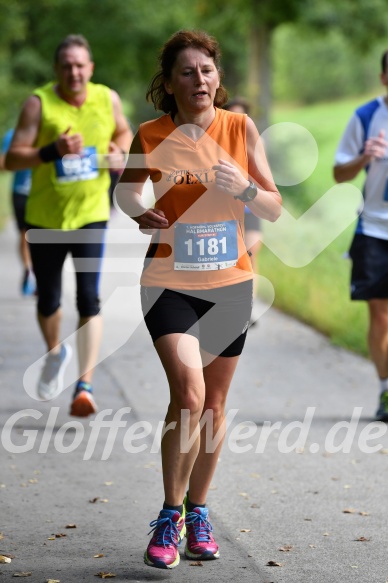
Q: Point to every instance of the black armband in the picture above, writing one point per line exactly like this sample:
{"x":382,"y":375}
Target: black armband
{"x":49,"y":153}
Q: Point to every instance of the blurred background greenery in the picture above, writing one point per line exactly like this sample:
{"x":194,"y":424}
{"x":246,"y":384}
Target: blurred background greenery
{"x":309,"y":62}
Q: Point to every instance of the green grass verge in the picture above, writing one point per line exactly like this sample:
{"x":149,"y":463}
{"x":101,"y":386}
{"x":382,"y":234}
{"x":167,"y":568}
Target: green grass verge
{"x":5,"y":198}
{"x":318,"y":293}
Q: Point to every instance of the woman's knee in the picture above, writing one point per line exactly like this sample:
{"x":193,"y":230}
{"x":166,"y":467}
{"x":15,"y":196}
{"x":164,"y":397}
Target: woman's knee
{"x":189,"y":397}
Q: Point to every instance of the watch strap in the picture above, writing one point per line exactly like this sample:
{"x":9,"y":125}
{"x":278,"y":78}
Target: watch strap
{"x":249,"y":193}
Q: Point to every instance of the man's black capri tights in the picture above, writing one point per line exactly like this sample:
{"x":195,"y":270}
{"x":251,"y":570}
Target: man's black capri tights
{"x":49,"y":249}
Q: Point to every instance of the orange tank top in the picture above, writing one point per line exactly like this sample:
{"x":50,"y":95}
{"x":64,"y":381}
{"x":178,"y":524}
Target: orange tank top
{"x":203,"y":247}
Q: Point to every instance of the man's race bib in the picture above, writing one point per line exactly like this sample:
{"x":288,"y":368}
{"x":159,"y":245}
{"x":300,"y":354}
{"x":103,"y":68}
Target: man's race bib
{"x":75,"y":167}
{"x":205,"y":246}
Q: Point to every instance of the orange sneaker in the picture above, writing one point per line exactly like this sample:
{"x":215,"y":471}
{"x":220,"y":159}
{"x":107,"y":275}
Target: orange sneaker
{"x":83,"y":403}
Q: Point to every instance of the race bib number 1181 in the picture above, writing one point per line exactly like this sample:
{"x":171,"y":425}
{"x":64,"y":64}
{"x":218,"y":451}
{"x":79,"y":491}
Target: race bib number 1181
{"x":205,"y":246}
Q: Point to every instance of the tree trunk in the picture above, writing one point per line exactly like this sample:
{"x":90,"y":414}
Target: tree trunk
{"x":259,"y":73}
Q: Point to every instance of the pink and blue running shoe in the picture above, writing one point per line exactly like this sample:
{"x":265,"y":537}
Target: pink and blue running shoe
{"x":169,"y":529}
{"x":200,"y":545}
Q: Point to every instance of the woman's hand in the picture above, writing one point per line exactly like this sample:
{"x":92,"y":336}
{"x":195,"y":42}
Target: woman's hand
{"x":152,"y":219}
{"x":230,"y":179}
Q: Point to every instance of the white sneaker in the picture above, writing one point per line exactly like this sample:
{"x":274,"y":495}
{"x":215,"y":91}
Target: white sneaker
{"x":51,"y":379}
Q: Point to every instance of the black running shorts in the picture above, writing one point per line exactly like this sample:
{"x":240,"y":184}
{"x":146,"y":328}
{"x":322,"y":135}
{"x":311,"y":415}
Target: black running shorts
{"x":19,"y":202}
{"x":369,"y":278}
{"x":219,"y":317}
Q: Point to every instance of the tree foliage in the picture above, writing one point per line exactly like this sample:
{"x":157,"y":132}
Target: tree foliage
{"x":125,"y":36}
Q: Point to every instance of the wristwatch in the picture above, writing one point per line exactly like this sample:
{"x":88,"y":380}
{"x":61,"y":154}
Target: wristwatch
{"x":249,"y":193}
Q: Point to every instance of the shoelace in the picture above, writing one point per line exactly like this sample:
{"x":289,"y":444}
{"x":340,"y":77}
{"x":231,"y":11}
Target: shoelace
{"x":167,"y":535}
{"x":202,"y":527}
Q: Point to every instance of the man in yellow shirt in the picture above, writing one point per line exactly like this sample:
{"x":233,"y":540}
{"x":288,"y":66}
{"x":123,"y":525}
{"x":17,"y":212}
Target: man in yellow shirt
{"x":64,"y":129}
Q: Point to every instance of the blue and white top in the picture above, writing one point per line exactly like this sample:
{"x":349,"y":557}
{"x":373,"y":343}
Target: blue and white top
{"x":366,"y":122}
{"x":22,"y":178}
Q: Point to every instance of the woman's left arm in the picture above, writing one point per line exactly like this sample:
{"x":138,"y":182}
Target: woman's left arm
{"x":268,"y":202}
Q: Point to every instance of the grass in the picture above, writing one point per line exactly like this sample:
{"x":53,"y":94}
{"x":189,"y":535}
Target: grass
{"x":5,"y":198}
{"x":318,"y":293}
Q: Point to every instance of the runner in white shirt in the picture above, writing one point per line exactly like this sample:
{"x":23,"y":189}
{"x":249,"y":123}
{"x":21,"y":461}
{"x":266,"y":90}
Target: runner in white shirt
{"x":364,"y":146}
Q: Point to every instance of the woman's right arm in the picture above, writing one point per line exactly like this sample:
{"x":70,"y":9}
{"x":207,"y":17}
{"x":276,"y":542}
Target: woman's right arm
{"x":129,"y":190}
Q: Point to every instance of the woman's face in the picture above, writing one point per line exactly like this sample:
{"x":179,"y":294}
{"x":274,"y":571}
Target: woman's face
{"x":194,"y":81}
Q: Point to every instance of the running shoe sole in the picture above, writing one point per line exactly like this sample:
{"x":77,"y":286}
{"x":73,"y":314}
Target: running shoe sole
{"x":205,"y":556}
{"x":83,"y":405}
{"x":161,"y":564}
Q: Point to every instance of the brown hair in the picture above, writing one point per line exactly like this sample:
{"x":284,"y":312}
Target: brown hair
{"x":179,"y":41}
{"x":72,"y":40}
{"x":241,"y":102}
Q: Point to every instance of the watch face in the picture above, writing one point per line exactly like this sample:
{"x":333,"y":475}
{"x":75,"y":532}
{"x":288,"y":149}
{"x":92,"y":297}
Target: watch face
{"x":252,"y":192}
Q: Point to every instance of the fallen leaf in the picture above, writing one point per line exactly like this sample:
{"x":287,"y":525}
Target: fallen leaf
{"x":308,"y":519}
{"x":326,"y":534}
{"x":286,"y":548}
{"x":104,"y":500}
{"x":71,"y":526}
{"x":274,"y":564}
{"x":4,"y":559}
{"x":53,"y":581}
{"x":60,"y":535}
{"x":94,"y":500}
{"x":98,"y":556}
{"x":245,"y":530}
{"x":196,"y":564}
{"x":255,"y":506}
{"x":33,"y":481}
{"x":361,"y":539}
{"x":105,"y":575}
{"x":364,"y":513}
{"x":349,"y":511}
{"x":22,"y":574}
{"x":51,"y":538}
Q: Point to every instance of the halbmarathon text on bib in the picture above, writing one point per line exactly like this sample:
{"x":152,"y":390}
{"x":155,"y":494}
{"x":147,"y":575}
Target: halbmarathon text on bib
{"x":205,"y":246}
